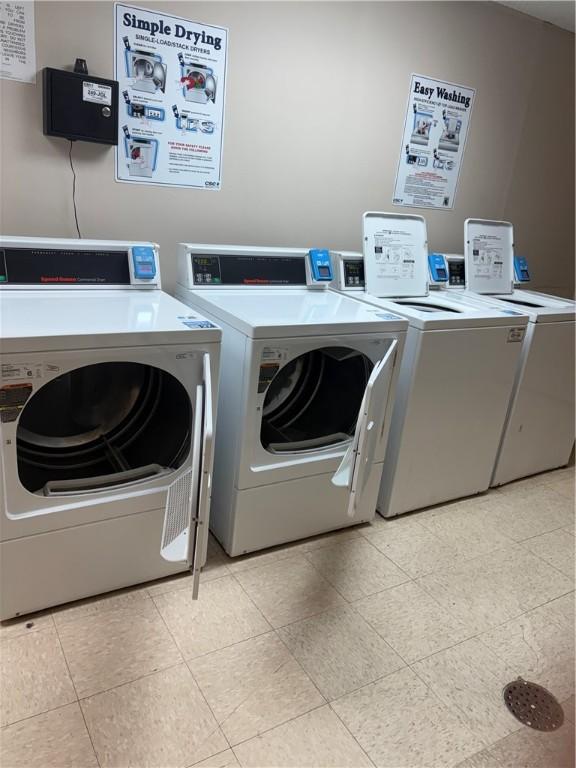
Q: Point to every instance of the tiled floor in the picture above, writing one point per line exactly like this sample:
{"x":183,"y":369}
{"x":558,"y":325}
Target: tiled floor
{"x":384,"y":645}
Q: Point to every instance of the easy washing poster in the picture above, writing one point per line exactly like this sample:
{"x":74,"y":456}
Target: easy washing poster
{"x":172,"y":76}
{"x":433,"y":143}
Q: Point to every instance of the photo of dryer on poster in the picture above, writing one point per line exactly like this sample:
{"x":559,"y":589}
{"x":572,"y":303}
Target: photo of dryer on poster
{"x":433,"y":143}
{"x":172,"y":76}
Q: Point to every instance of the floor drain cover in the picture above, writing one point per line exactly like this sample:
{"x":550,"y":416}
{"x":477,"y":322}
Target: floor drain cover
{"x":533,"y":705}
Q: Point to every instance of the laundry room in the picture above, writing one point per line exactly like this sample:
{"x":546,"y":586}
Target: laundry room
{"x":287,"y":384}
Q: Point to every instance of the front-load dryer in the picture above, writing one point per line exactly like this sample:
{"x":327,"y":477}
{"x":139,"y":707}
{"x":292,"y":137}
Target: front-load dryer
{"x":106,"y":422}
{"x":539,"y":431}
{"x":456,"y":376}
{"x":306,"y":391}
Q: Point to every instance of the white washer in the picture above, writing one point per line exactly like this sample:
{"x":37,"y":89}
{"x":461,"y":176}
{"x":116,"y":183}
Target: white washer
{"x":456,"y":375}
{"x":539,"y":431}
{"x":106,"y":422}
{"x":307,"y":383}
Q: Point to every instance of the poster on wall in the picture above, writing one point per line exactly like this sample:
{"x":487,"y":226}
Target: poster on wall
{"x":435,"y":130}
{"x":17,"y":43}
{"x":172,"y":75}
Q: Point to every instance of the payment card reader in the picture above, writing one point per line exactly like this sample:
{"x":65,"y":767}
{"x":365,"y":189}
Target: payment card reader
{"x":143,"y":264}
{"x":319,"y":272}
{"x":521,"y":273}
{"x":438,"y":269}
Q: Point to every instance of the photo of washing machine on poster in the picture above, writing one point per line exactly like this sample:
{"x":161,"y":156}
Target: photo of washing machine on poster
{"x":172,"y":76}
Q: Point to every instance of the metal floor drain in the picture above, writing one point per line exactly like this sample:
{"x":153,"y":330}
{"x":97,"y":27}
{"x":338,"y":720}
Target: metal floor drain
{"x":533,"y":705}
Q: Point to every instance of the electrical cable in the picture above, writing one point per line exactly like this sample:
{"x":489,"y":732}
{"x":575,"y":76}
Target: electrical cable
{"x":74,"y":190}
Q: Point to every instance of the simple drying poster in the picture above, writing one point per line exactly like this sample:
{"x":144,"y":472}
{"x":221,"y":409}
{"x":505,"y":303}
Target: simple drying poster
{"x":435,"y":129}
{"x":172,"y":75}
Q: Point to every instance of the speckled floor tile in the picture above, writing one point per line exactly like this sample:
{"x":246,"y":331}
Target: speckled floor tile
{"x":315,"y":740}
{"x":24,"y":625}
{"x":226,"y":759}
{"x":539,"y":645}
{"x":469,"y":678}
{"x":113,"y":647}
{"x":289,"y":590}
{"x":56,"y":739}
{"x":399,"y":721}
{"x":33,"y":676}
{"x":340,"y":651}
{"x":411,"y":621}
{"x":159,"y":721}
{"x":222,"y":615}
{"x":413,"y":548}
{"x":466,"y":531}
{"x":95,"y":606}
{"x":568,"y":707}
{"x":556,"y":548}
{"x":254,"y":686}
{"x":522,"y":515}
{"x":495,"y":588}
{"x":527,"y":748}
{"x":356,"y":568}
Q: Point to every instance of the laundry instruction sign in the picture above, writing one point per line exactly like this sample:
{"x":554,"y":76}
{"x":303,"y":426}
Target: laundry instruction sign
{"x":172,"y":75}
{"x":433,"y":143}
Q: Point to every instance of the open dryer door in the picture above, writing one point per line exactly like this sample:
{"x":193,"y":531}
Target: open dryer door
{"x":357,"y":463}
{"x":184,"y":536}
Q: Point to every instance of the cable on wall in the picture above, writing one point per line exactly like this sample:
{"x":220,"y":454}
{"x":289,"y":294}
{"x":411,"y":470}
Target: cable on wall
{"x":74,"y":189}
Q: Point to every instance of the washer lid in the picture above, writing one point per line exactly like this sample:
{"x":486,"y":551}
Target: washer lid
{"x":489,"y":256}
{"x":395,"y":254}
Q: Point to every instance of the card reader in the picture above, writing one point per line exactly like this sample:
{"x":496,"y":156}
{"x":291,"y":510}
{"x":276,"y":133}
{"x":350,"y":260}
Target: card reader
{"x":521,"y":273}
{"x":143,"y":262}
{"x":318,"y":268}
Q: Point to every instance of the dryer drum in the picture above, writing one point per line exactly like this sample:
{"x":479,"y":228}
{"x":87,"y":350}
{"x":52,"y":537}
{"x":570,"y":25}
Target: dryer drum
{"x":313,"y":401}
{"x":101,"y":420}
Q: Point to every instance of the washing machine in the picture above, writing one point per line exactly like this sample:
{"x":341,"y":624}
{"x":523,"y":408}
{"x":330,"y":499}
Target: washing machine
{"x":306,"y":391}
{"x":538,"y":434}
{"x":107,"y":387}
{"x":456,"y":376}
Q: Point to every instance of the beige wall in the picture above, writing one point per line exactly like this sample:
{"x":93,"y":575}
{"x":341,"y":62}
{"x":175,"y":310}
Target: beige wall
{"x":316,"y":99}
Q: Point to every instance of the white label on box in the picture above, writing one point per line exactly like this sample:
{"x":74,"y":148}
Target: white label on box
{"x":99,"y":94}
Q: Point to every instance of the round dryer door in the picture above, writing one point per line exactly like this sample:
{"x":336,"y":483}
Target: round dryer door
{"x":313,"y":401}
{"x":103,"y":425}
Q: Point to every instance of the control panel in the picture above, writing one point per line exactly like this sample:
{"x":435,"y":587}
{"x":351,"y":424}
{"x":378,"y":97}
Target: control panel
{"x":318,"y":268}
{"x":438,"y":268}
{"x":63,"y":263}
{"x":348,"y":269}
{"x":143,"y":262}
{"x":521,"y":273}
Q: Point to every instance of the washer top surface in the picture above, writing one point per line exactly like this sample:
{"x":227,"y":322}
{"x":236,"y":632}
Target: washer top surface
{"x":281,"y":313}
{"x":41,"y":320}
{"x":539,"y":307}
{"x":437,"y":311}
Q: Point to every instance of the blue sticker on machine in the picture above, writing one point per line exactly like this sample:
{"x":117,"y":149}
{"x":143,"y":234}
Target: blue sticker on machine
{"x":198,"y":324}
{"x":387,"y":316}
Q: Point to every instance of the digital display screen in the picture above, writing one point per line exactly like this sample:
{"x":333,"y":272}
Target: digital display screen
{"x":39,"y":266}
{"x":441,"y":274}
{"x":237,"y":269}
{"x":354,"y":273}
{"x":324,"y":271}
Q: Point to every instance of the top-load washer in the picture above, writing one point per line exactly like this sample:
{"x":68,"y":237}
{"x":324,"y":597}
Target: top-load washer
{"x":456,"y":376}
{"x":539,"y":429}
{"x":307,"y":384}
{"x":106,"y":422}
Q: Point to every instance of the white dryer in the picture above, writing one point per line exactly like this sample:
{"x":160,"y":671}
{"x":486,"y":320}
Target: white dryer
{"x":539,"y":431}
{"x":306,"y":389}
{"x":106,"y":420}
{"x":456,"y":376}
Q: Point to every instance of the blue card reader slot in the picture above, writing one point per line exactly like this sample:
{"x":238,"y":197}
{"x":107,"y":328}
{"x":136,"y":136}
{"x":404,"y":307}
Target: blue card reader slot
{"x":521,"y":269}
{"x":144,"y":262}
{"x":320,"y":264}
{"x":438,"y":267}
